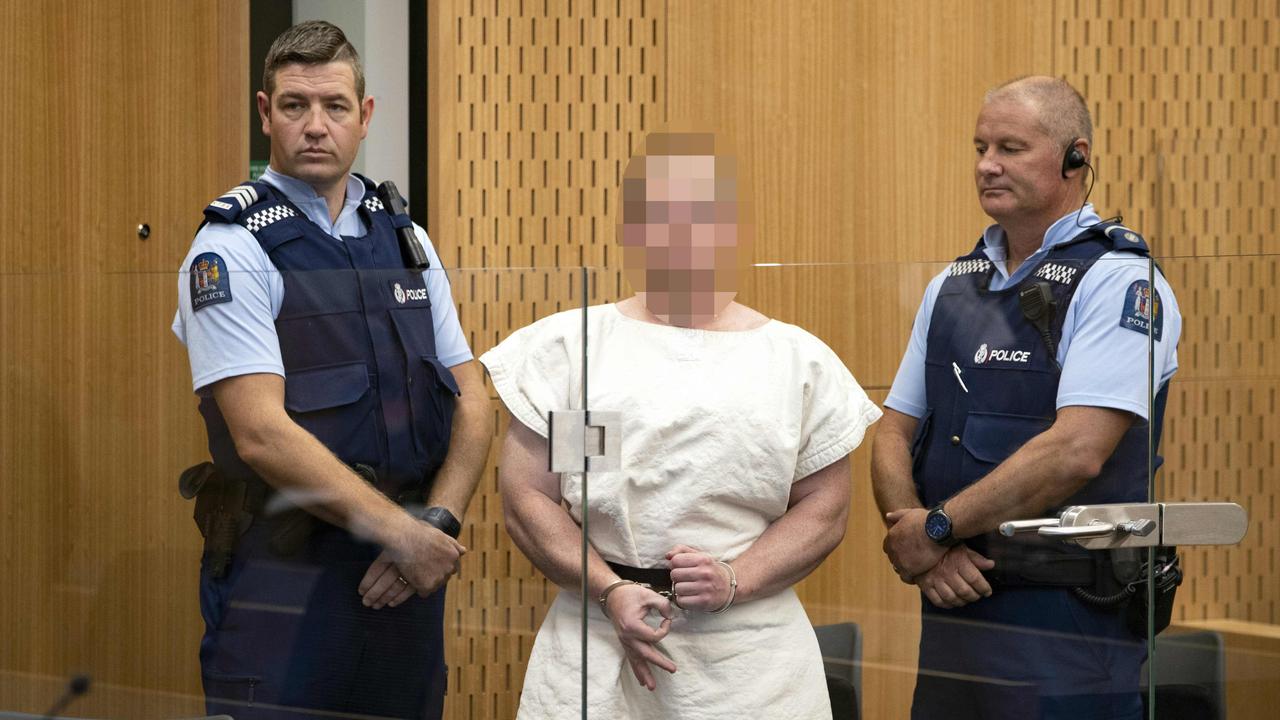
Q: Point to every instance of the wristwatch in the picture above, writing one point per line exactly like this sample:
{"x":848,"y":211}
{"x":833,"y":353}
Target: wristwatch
{"x":937,"y":525}
{"x":443,"y":520}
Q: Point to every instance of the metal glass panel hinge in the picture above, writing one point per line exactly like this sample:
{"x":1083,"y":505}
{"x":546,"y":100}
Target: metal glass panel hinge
{"x":584,"y":440}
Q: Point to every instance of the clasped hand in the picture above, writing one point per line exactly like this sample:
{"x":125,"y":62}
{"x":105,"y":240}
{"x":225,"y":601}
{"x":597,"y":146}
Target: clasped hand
{"x":419,"y":562}
{"x":698,"y":582}
{"x":948,"y":577}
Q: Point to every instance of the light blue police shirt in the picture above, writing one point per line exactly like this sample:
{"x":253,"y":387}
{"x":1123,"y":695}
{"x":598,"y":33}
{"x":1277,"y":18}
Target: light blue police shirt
{"x":1103,"y":363}
{"x":239,"y":337}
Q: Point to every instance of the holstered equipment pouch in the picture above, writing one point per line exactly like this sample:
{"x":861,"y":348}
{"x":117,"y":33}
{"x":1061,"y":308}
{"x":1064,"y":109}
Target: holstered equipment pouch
{"x":223,"y":512}
{"x":226,"y":508}
{"x":1123,"y":575}
{"x":1167,"y":577}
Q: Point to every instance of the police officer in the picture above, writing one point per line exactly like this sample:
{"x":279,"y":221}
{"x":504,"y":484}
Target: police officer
{"x":347,"y":421}
{"x":1024,"y":388}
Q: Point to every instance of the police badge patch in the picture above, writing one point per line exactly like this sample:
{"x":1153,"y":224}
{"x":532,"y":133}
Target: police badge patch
{"x":1141,"y":305}
{"x":210,"y":283}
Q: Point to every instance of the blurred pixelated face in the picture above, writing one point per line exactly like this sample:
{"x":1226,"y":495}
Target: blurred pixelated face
{"x":680,"y":236}
{"x":1018,"y":166}
{"x":315,"y":121}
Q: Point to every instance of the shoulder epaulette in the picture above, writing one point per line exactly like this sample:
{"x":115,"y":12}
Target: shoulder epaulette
{"x":231,"y":204}
{"x":1123,"y":238}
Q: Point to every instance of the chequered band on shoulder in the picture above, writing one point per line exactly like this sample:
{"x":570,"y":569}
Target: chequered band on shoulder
{"x":1058,"y":273}
{"x":266,"y":216}
{"x":373,"y":204}
{"x":964,"y":267}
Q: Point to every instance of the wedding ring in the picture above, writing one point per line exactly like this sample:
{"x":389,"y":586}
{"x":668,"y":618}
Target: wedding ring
{"x":400,"y":578}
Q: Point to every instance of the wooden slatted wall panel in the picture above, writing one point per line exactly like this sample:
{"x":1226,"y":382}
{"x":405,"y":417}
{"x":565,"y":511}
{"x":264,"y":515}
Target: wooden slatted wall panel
{"x":119,"y":112}
{"x":1184,"y":94}
{"x":537,"y":105}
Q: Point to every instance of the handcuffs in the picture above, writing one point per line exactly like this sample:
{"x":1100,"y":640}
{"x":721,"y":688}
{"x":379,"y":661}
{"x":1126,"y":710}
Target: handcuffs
{"x":671,"y":594}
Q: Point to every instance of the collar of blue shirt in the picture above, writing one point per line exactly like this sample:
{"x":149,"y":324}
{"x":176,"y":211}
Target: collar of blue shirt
{"x":316,"y":209}
{"x":1062,"y":230}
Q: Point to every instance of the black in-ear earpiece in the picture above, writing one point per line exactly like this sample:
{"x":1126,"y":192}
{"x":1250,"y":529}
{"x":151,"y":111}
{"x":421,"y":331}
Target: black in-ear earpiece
{"x":1073,"y":159}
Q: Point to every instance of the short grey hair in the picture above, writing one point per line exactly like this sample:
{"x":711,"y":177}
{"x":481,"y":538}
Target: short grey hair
{"x":314,"y":42}
{"x":1061,"y":108}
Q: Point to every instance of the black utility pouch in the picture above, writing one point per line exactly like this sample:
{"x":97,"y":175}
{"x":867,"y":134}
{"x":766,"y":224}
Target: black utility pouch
{"x":1168,"y":576}
{"x":220,"y":513}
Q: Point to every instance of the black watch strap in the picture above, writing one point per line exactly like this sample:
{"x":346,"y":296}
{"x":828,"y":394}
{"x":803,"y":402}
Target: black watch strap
{"x":443,"y":520}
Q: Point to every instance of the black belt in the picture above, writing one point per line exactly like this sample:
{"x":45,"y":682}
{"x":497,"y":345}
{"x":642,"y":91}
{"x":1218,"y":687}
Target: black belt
{"x":1039,"y":570}
{"x":656,"y":578}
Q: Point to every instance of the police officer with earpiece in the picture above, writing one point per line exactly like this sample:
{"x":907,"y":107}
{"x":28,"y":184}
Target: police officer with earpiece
{"x":347,"y":422}
{"x":1023,"y":389}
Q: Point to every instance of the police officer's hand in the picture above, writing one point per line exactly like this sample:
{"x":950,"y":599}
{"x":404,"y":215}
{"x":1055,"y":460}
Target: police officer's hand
{"x":910,"y":550}
{"x":628,"y":607}
{"x":698,"y":581}
{"x":957,"y":579}
{"x":384,"y":585}
{"x":421,"y":560}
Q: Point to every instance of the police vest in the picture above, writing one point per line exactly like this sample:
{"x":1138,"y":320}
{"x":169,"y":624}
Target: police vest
{"x":357,"y":339}
{"x":991,"y":383}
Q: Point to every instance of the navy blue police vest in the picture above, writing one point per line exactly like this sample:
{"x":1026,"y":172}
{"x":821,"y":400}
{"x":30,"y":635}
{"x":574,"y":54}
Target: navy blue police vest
{"x":991,"y":383}
{"x":357,"y":339}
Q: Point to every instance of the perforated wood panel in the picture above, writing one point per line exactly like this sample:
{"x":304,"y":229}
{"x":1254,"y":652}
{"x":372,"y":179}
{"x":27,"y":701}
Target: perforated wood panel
{"x":538,"y":105}
{"x":1224,"y":420}
{"x":1185,"y":99}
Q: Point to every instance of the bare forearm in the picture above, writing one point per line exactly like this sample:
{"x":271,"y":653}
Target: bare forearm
{"x":298,"y":465}
{"x":796,"y":543}
{"x":552,"y":541}
{"x":1043,"y":473}
{"x":1029,"y":483}
{"x":793,"y":546}
{"x":469,"y":439}
{"x":891,"y":479}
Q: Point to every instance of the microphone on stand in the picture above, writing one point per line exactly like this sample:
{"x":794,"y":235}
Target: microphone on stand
{"x":77,"y":685}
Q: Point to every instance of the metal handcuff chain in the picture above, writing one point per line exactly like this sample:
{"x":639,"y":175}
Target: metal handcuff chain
{"x":670,"y":594}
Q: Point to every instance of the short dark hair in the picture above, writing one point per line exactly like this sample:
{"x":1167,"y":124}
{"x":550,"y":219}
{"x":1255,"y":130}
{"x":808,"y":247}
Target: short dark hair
{"x":314,"y":42}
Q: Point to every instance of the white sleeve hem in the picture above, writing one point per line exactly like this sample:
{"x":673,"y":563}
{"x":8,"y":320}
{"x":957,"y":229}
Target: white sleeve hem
{"x":519,"y":406}
{"x":1102,"y":401}
{"x":224,"y":373}
{"x":904,"y":407}
{"x":846,"y":443}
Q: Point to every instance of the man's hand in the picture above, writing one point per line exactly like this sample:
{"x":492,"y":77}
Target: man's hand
{"x":698,"y":581}
{"x":422,"y":555}
{"x":957,"y":579}
{"x":910,"y":551}
{"x":628,"y":606}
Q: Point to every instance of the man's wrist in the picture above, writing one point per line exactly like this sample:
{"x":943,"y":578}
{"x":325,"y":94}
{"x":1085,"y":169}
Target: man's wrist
{"x":938,"y":526}
{"x":386,"y":525}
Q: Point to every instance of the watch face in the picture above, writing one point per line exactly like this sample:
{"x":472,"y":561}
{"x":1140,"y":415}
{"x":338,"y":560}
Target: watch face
{"x":937,"y":526}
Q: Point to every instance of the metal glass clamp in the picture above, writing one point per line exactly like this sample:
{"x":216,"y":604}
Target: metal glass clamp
{"x":1102,"y":527}
{"x":584,"y":441}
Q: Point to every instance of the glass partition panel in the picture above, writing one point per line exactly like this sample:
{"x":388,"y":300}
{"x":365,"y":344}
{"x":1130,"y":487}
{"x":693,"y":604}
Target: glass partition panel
{"x":120,"y":598}
{"x":1220,"y":656}
{"x":752,"y":444}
